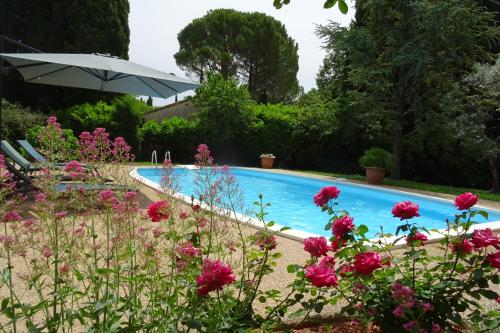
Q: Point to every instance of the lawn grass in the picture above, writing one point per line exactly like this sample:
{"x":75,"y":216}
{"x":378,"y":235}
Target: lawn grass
{"x":483,"y":194}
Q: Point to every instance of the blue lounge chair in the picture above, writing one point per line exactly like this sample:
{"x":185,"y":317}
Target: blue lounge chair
{"x":32,"y":151}
{"x":26,"y":166}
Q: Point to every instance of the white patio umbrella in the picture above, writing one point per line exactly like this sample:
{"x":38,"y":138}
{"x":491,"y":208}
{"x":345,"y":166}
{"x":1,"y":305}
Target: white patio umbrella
{"x":98,"y":72}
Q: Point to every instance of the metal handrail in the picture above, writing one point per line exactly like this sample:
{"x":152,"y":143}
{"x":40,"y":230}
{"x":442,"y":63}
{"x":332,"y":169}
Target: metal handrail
{"x":154,"y":159}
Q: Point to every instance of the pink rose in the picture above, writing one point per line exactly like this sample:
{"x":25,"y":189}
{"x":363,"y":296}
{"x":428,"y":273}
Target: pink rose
{"x":410,"y":326}
{"x":158,"y":211}
{"x":485,"y":238}
{"x":494,"y":259}
{"x":399,"y":312}
{"x":327,"y":262}
{"x":365,"y":263}
{"x":464,"y":246}
{"x":321,"y":276}
{"x":214,"y":276}
{"x":342,"y":226}
{"x":316,"y":246}
{"x":326,"y":194}
{"x":405,"y":210}
{"x":465,"y":200}
{"x":418,"y":236}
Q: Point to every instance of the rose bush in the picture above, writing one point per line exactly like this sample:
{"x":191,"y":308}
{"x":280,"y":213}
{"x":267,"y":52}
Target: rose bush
{"x":412,"y":291}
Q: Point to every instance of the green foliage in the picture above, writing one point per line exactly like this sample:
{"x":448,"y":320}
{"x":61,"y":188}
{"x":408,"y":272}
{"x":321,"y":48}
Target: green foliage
{"x":252,"y":47}
{"x":64,"y":26}
{"x":16,"y":120}
{"x":376,"y":157}
{"x":122,"y":117}
{"x":342,"y":4}
{"x":68,"y":144}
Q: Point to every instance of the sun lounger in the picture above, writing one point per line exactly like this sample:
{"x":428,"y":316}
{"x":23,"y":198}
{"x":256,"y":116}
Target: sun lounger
{"x":26,"y":166}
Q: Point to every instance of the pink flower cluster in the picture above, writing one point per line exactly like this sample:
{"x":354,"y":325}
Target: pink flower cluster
{"x":188,"y":250}
{"x":463,"y":246}
{"x":316,"y":246}
{"x":158,"y":211}
{"x":75,"y":170}
{"x":405,"y":210}
{"x":265,"y":241}
{"x":203,"y":156}
{"x":214,"y":276}
{"x":326,"y":194}
{"x":484,"y":238}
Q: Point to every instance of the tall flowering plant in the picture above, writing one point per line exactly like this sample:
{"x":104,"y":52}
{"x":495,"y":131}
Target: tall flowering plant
{"x":408,"y":290}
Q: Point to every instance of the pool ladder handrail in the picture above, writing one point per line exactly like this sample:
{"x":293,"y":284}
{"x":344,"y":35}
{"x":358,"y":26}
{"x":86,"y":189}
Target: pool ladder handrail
{"x":154,"y":159}
{"x":167,"y":157}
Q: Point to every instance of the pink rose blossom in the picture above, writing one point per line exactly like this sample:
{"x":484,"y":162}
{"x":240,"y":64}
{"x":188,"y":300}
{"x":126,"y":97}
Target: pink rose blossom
{"x":326,"y":194}
{"x":158,"y":211}
{"x":494,"y":259}
{"x":316,"y":246}
{"x":485,"y":238}
{"x":196,"y":208}
{"x":405,"y":210}
{"x":418,"y":236}
{"x":342,"y":226}
{"x":346,"y":269}
{"x":464,"y":246}
{"x":214,"y":276}
{"x":327,"y":261}
{"x":465,"y":201}
{"x":321,"y":276}
{"x":401,"y":293}
{"x":365,"y":263}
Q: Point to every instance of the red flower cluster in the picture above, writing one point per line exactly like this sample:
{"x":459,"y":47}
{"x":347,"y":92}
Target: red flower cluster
{"x":342,"y":226}
{"x":417,"y":236}
{"x":405,"y":210}
{"x":316,"y":246}
{"x":75,"y":170}
{"x":158,"y":211}
{"x":365,"y":263}
{"x":494,"y":259}
{"x":326,"y":194}
{"x":484,"y":238}
{"x":321,"y":276}
{"x":465,"y":200}
{"x":214,"y":276}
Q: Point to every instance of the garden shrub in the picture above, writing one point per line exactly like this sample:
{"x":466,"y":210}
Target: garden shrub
{"x":16,"y":120}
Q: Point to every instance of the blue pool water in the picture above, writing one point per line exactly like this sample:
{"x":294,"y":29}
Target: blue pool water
{"x":292,"y":205}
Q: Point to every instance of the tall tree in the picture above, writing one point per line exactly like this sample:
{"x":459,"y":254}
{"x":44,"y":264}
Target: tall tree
{"x":405,"y":55}
{"x":253,"y":47}
{"x":64,"y":26}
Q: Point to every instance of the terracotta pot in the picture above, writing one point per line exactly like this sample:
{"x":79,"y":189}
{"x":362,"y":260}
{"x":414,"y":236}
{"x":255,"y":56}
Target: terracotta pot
{"x":266,"y":162}
{"x":375,"y":176}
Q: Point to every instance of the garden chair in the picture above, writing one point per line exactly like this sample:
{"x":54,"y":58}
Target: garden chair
{"x":32,"y":151}
{"x":26,"y":166}
{"x":24,"y":183}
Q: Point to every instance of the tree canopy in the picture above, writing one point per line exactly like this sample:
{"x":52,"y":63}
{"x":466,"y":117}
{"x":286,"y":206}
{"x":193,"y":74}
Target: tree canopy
{"x":392,"y":70}
{"x":253,"y":47}
{"x":63,"y":26}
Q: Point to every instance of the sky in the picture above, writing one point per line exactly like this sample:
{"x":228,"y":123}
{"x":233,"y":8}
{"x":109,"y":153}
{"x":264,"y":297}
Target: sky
{"x":154,"y":25}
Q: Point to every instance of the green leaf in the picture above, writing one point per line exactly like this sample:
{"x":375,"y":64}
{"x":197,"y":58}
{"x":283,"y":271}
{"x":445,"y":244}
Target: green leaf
{"x":343,"y":7}
{"x":292,"y":268}
{"x":362,"y":229}
{"x":483,"y":213}
{"x":489,"y":294}
{"x":318,"y":307}
{"x":194,"y":324}
{"x":270,"y":224}
{"x":329,"y":3}
{"x":262,"y":299}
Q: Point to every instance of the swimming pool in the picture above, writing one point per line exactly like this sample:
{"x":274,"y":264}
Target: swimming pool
{"x":292,"y":205}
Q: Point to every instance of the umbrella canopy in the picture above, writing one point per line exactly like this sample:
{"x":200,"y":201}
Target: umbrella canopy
{"x":97,"y":72}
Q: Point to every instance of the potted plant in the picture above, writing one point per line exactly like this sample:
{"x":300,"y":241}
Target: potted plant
{"x":267,"y":160}
{"x":376,"y":162}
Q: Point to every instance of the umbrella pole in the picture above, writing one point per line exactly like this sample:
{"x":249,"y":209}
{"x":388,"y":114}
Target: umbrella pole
{"x":2,"y":47}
